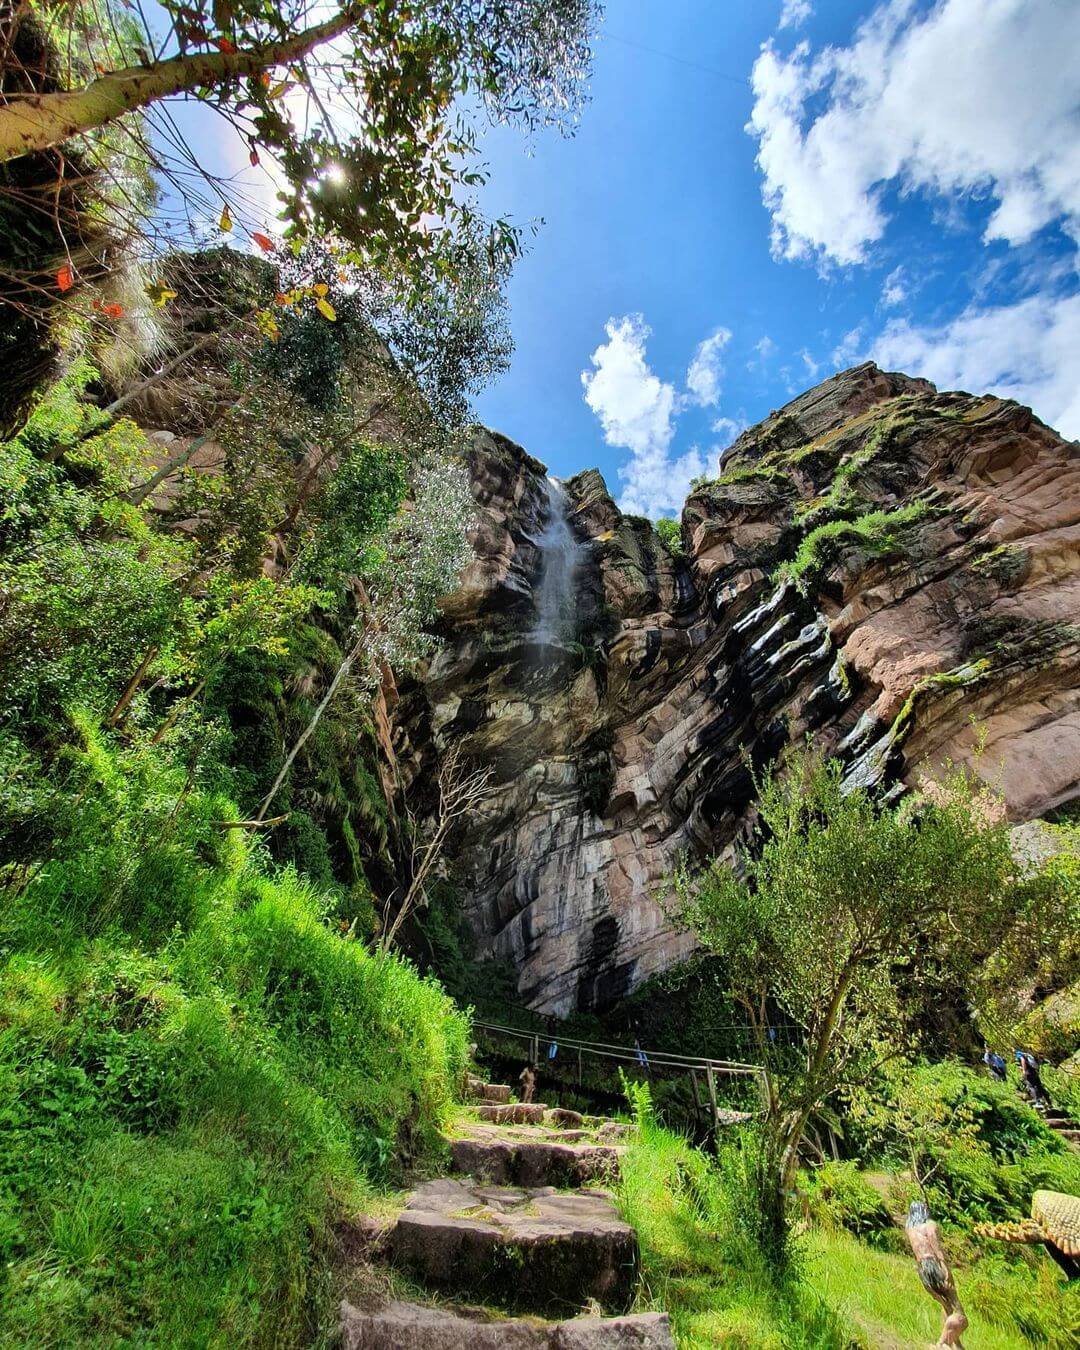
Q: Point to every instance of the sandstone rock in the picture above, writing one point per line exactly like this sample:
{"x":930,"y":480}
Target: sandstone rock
{"x":528,"y":1162}
{"x":498,"y":1093}
{"x":413,"y":1326}
{"x":512,"y":1113}
{"x":623,"y":745}
{"x":525,"y":1248}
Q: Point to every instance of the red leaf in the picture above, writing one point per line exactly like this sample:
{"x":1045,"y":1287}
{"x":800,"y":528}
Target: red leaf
{"x":264,"y":241}
{"x":110,"y":311}
{"x":64,"y":278}
{"x":225,"y":45}
{"x":253,"y":157}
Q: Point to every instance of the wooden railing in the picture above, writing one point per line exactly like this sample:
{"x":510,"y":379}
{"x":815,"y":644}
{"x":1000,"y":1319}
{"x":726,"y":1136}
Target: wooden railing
{"x":700,"y":1069}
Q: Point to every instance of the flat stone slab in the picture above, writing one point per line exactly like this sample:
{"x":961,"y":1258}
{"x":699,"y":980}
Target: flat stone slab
{"x":412,"y":1326}
{"x":488,"y":1092}
{"x":532,"y":1248}
{"x":514,"y":1113}
{"x":562,"y":1118}
{"x":493,"y":1154}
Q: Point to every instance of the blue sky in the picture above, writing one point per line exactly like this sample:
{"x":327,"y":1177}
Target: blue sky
{"x":911,"y":191}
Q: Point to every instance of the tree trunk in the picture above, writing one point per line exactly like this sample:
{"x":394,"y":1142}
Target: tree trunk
{"x":346,"y":665}
{"x":33,"y":122}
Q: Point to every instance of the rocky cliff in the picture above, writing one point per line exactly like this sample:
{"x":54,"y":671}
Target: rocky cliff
{"x":893,"y":570}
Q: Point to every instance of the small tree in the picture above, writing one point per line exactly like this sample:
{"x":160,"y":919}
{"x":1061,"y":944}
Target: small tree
{"x":461,"y":789}
{"x":844,"y":913}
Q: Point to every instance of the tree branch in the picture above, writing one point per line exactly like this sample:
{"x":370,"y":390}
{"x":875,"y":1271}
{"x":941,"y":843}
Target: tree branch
{"x":40,"y":121}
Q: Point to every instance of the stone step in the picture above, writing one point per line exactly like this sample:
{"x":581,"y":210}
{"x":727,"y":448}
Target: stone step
{"x":413,"y":1326}
{"x":488,"y":1092}
{"x":530,"y":1248}
{"x":512,"y":1113}
{"x":495,"y":1155}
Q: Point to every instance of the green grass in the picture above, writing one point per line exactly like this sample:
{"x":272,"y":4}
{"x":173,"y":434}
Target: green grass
{"x":877,"y":533}
{"x":200,"y":1071}
{"x":702,"y":1264}
{"x":878,"y":1295}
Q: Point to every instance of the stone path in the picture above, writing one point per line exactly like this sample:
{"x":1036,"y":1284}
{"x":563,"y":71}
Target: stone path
{"x":525,"y":1227}
{"x":1061,"y":1124}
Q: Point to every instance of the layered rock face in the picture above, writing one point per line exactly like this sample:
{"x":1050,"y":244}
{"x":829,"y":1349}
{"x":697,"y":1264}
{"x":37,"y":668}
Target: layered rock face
{"x":892,"y":570}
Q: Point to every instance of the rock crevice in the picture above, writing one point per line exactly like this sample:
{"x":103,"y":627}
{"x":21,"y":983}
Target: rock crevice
{"x":876,"y":563}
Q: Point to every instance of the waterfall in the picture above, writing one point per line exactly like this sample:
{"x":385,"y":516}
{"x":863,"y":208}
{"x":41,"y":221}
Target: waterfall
{"x":560,"y":556}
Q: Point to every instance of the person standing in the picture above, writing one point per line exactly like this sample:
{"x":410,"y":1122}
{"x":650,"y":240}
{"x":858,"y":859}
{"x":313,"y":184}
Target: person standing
{"x":1033,"y":1084}
{"x":995,"y":1064}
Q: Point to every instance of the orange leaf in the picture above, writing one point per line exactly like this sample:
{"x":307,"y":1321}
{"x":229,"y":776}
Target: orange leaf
{"x":110,"y":311}
{"x":64,"y":278}
{"x":264,"y":241}
{"x":264,"y":79}
{"x":321,"y":288}
{"x":224,"y":45}
{"x":282,"y":299}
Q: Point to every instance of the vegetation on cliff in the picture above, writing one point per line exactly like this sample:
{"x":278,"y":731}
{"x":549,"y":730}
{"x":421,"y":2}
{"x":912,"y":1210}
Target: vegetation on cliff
{"x":203,"y":1065}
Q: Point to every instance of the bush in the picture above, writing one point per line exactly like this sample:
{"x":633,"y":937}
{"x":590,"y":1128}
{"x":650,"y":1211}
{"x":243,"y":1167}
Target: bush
{"x":841,"y":1197}
{"x":197,"y":1073}
{"x":980,"y":1151}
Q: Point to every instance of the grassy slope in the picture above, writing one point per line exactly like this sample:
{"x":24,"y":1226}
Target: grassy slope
{"x":184,"y":1112}
{"x":699,"y":1265}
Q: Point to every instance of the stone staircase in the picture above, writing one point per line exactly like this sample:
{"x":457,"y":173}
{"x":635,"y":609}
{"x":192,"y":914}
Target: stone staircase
{"x":524,"y":1226}
{"x":1063,"y":1125}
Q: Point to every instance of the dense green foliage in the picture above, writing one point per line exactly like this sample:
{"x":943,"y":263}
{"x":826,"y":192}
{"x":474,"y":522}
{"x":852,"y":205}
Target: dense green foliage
{"x":850,"y":919}
{"x":849,"y":1278}
{"x":199,"y":1071}
{"x":202,"y":1067}
{"x":970,"y":1144}
{"x":670,"y":531}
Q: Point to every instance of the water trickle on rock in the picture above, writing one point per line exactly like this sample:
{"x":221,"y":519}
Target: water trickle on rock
{"x":560,"y":557}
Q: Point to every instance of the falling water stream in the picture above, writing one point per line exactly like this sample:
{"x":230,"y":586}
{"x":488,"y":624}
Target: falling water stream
{"x":560,"y":556}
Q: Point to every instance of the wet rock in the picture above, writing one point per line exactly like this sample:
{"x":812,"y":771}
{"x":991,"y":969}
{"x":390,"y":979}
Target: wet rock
{"x":526,"y":1248}
{"x":398,"y":1325}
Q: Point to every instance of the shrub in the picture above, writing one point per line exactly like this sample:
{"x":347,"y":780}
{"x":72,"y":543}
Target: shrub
{"x":841,"y":1197}
{"x":197,"y":1072}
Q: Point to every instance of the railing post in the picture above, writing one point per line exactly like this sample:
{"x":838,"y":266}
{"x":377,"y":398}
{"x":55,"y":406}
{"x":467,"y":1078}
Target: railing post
{"x":697,"y":1095}
{"x":710,"y":1079}
{"x":579,"y":1066}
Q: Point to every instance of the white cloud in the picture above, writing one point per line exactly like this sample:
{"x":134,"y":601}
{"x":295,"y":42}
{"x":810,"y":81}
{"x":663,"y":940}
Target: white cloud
{"x":764,"y":349}
{"x":634,"y":407}
{"x":795,"y":12}
{"x":972,"y":96}
{"x":706,"y":368}
{"x":728,"y":429}
{"x":848,"y":351}
{"x":637,"y":411}
{"x":1029,"y":351}
{"x":812,"y":366}
{"x":894,"y":291}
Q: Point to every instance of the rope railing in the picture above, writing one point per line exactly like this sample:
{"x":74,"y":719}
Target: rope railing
{"x":693,"y":1065}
